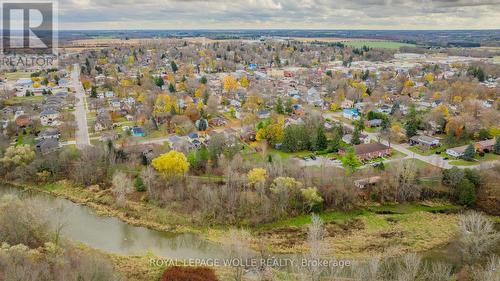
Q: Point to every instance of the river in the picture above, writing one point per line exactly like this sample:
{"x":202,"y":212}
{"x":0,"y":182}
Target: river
{"x":114,"y":236}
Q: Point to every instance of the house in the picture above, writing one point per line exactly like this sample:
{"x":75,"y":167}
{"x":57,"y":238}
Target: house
{"x":138,"y":132}
{"x":486,"y":145}
{"x":49,"y":134}
{"x":371,"y":151}
{"x":23,"y":121}
{"x":48,"y":116}
{"x":385,"y":109}
{"x":45,"y":146}
{"x":264,"y":114}
{"x":351,"y":113}
{"x":424,"y":141}
{"x":367,"y":183}
{"x":374,"y":123}
{"x":218,"y":121}
{"x":24,"y":82}
{"x":108,"y":136}
{"x":116,"y":103}
{"x":457,"y":151}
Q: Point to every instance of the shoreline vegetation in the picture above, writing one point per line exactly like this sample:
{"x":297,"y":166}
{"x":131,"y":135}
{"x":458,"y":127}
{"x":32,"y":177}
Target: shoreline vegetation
{"x":393,"y":229}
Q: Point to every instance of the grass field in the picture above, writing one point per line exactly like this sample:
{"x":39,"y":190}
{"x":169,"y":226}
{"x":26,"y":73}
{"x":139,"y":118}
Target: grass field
{"x":13,"y":76}
{"x":376,"y":44}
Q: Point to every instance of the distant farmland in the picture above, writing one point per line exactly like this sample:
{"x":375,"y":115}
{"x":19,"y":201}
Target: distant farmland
{"x":376,"y":44}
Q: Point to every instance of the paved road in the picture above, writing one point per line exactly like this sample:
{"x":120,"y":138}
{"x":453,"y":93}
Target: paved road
{"x":434,"y":159}
{"x":82,"y":130}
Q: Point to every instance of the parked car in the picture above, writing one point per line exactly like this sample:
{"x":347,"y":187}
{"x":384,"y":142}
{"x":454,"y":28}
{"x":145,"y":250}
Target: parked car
{"x":313,"y":157}
{"x":305,"y":158}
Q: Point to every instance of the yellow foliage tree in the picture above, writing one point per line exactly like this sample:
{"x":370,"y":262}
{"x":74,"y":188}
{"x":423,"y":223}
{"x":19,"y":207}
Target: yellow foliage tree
{"x":409,"y":83}
{"x":172,"y":164}
{"x":257,"y":176}
{"x":164,"y":104}
{"x":429,"y":77}
{"x":230,"y":83}
{"x":244,"y":82}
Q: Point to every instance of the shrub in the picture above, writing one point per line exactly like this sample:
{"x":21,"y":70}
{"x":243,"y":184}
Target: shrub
{"x":466,"y":192}
{"x":177,"y":273}
{"x":139,"y":184}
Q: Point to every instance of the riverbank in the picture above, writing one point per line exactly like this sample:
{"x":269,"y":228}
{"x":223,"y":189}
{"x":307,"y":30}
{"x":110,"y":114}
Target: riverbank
{"x":371,"y":230}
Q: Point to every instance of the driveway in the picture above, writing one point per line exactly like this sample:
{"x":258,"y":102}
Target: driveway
{"x":82,"y":130}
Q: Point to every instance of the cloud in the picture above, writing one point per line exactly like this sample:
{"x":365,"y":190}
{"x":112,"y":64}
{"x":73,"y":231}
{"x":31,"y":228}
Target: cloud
{"x":324,"y":14}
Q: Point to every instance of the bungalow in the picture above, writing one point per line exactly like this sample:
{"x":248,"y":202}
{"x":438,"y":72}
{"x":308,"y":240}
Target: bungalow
{"x":45,"y":146}
{"x":374,"y":123}
{"x":385,"y":109}
{"x":264,"y":114}
{"x":367,"y":183}
{"x":372,"y":150}
{"x":486,"y":145}
{"x":49,"y":134}
{"x":24,"y":82}
{"x":351,"y":113}
{"x":457,"y":151}
{"x":23,"y":121}
{"x":47,"y":117}
{"x":116,"y":103}
{"x":424,"y":141}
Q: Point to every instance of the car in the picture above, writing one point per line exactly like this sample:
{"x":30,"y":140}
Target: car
{"x":446,"y":158}
{"x":305,"y":158}
{"x":313,"y":157}
{"x":438,"y":152}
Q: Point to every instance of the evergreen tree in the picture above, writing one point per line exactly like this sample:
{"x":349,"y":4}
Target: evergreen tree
{"x":159,"y":82}
{"x":174,"y":67}
{"x":335,"y":142}
{"x":496,"y":147}
{"x":93,"y":92}
{"x":280,"y":109}
{"x":466,"y":193}
{"x":356,"y":137}
{"x":321,"y":140}
{"x":171,"y":88}
{"x":469,"y":153}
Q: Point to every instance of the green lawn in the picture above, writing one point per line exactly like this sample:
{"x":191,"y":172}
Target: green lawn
{"x":486,"y":158}
{"x":20,"y":100}
{"x":12,"y":76}
{"x":328,"y":216}
{"x":427,"y":152}
{"x":377,"y":44}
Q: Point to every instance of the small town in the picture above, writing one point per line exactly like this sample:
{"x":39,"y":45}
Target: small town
{"x":332,"y":155}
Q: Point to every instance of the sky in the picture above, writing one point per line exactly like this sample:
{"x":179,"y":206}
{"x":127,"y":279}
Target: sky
{"x":279,"y":14}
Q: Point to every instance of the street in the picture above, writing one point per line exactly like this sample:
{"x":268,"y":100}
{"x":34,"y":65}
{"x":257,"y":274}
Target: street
{"x":82,"y":131}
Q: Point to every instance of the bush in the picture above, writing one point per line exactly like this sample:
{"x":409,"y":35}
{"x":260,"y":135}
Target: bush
{"x":139,"y":184}
{"x":177,"y":273}
{"x":466,"y":193}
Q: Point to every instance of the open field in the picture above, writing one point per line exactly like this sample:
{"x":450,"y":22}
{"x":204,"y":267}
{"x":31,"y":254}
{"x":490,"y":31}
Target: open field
{"x":13,"y":76}
{"x":357,"y":43}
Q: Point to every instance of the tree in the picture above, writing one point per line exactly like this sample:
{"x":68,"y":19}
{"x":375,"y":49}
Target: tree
{"x":93,"y":92}
{"x":496,"y":147}
{"x":356,"y":138}
{"x":321,"y":140}
{"x":171,"y":88}
{"x":174,"y":66}
{"x":122,"y":186}
{"x":350,"y":161}
{"x":172,"y":164}
{"x":230,"y":83}
{"x":19,"y":155}
{"x":469,"y":153}
{"x":311,"y":198}
{"x":257,"y":176}
{"x":412,"y":123}
{"x":477,"y":236}
{"x":280,"y":109}
{"x":466,"y":193}
{"x":159,"y":82}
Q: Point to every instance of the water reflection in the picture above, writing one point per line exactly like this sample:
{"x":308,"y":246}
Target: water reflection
{"x":114,"y":236}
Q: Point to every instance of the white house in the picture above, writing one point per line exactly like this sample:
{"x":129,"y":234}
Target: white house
{"x":47,"y":117}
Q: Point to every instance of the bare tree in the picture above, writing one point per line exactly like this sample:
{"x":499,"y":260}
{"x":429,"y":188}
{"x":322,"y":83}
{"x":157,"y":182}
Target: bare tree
{"x":477,"y":236}
{"x":122,"y":186}
{"x":238,"y":247}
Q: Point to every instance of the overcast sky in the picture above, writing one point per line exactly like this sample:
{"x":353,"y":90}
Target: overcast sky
{"x":290,"y":14}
